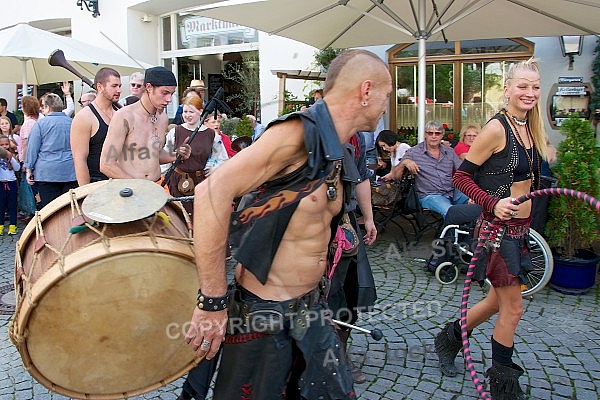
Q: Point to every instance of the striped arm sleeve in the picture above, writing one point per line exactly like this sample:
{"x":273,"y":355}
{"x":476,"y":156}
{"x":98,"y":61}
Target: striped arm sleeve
{"x":463,"y":180}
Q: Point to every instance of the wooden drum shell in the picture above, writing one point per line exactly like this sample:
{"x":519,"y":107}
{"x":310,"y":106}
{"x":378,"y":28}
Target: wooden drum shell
{"x":102,"y":314}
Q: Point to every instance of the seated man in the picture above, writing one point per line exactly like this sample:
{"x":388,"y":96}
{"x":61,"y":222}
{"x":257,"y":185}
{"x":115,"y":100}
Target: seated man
{"x":432,"y":164}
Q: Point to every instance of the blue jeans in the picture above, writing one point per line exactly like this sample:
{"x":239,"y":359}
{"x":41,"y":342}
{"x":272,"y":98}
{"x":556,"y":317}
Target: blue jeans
{"x":440,"y":203}
{"x":51,"y":190}
{"x":8,"y":201}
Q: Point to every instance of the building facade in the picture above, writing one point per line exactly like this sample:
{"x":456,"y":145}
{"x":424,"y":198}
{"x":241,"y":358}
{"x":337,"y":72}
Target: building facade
{"x":464,"y":79}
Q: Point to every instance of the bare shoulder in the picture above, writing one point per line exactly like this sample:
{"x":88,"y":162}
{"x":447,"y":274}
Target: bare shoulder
{"x":125,"y":112}
{"x":493,"y":134}
{"x":279,"y":151}
{"x":283,"y":142}
{"x":122,"y":120}
{"x":83,"y":124}
{"x":491,"y":140}
{"x":84,"y":116}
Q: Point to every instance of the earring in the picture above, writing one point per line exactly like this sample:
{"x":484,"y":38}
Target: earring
{"x":506,"y":101}
{"x":364,"y":104}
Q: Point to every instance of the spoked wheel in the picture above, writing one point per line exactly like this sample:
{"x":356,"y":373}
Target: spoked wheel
{"x":542,"y":265}
{"x":446,"y":273}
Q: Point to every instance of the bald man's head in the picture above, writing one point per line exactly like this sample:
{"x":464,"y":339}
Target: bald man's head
{"x":354,"y":66}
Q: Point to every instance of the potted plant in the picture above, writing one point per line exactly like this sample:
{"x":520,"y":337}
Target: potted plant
{"x":573,"y":226}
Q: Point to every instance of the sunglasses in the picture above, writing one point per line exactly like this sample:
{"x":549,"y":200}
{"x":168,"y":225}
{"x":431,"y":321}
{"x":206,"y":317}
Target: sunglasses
{"x":83,"y":101}
{"x":434,"y":133}
{"x":136,"y":85}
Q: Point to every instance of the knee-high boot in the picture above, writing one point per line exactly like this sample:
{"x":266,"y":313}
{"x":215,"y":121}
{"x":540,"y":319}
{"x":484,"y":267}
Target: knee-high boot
{"x":504,"y":382}
{"x":357,"y":375}
{"x":447,"y":347}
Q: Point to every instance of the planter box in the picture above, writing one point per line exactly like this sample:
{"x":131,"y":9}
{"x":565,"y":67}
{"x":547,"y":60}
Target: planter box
{"x":575,"y":276}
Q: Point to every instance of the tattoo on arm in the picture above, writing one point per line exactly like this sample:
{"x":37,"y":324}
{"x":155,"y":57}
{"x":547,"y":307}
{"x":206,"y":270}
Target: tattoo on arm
{"x":126,"y":127}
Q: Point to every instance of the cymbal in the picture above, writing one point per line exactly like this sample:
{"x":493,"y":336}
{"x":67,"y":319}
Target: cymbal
{"x":241,"y":143}
{"x":124,"y":200}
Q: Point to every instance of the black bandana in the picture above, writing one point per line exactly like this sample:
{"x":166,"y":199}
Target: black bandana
{"x":160,"y":76}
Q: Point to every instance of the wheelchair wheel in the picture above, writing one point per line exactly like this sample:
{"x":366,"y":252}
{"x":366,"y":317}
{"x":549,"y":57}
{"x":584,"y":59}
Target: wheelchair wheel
{"x":542,"y":265}
{"x":446,"y":273}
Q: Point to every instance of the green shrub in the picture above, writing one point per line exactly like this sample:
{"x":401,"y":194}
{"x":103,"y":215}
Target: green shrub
{"x":244,"y":128}
{"x":573,"y":224}
{"x":228,"y":125}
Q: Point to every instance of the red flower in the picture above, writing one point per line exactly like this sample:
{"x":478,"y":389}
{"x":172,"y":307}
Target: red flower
{"x":450,"y":136}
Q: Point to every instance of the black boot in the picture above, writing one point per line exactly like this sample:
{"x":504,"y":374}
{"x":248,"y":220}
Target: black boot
{"x":357,"y":375}
{"x":447,"y":347}
{"x":504,"y":382}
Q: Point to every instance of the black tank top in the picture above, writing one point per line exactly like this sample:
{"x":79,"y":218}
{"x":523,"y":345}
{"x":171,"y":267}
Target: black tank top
{"x":95,"y":148}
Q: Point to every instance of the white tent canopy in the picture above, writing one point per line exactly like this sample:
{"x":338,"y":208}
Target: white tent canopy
{"x":357,"y":23}
{"x":24,"y":52}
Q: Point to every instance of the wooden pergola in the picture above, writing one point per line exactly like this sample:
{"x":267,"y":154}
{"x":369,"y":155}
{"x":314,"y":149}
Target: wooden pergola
{"x":283,"y":75}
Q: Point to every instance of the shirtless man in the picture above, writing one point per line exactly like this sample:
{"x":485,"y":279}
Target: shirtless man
{"x":90,"y":126}
{"x":282,"y":267}
{"x":136,"y":136}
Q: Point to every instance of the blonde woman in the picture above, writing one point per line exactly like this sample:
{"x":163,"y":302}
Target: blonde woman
{"x":504,"y":164}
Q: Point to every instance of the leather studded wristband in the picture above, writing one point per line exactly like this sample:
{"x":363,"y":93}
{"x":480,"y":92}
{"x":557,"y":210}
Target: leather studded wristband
{"x":207,"y":303}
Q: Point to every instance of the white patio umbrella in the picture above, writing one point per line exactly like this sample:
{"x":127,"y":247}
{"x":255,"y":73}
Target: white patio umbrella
{"x":356,"y":23}
{"x":24,"y":52}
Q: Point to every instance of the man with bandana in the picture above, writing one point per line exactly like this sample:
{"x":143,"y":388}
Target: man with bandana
{"x":136,"y":135}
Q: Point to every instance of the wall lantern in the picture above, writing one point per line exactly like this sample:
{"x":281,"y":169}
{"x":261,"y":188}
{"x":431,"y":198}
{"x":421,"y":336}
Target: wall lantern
{"x":91,"y":5}
{"x":570,"y":46}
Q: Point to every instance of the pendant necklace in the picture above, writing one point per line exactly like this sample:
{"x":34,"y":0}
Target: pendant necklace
{"x":518,"y":121}
{"x":332,"y":181}
{"x":522,"y":143}
{"x":153,"y":117}
{"x":108,"y":117}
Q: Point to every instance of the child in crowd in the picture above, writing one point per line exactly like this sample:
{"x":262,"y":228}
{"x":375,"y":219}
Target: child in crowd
{"x":8,"y":185}
{"x":6,"y":128}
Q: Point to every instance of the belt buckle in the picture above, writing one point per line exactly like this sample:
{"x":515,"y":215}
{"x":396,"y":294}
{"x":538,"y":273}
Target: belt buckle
{"x":268,"y":318}
{"x":494,"y":239}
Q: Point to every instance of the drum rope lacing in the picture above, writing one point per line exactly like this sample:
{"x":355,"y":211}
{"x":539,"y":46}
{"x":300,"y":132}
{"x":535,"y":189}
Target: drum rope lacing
{"x":76,"y":213}
{"x":595,"y":203}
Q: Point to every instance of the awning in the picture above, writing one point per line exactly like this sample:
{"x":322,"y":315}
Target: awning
{"x":294,"y":74}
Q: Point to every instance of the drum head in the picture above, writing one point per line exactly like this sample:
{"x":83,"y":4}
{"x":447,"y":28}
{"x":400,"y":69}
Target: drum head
{"x":114,"y":327}
{"x":124,"y":200}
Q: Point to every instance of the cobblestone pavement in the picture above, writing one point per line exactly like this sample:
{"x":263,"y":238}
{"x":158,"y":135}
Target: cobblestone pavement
{"x":558,"y":338}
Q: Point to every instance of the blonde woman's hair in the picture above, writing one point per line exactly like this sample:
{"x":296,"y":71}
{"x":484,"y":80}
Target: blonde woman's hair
{"x":534,"y":116}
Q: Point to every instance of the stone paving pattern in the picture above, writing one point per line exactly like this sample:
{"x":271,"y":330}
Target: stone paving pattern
{"x":558,"y":339}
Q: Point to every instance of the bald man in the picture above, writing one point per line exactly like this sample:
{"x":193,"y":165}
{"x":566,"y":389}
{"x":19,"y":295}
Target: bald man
{"x":280,"y":338}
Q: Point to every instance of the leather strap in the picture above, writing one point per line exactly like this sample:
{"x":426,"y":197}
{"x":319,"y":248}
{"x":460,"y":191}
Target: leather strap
{"x":181,"y":172}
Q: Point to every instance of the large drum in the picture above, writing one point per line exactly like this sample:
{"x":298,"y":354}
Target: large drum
{"x":102,"y":307}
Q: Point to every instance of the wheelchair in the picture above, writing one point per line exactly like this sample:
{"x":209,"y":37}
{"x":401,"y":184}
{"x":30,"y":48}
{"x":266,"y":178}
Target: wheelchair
{"x":455,"y":246}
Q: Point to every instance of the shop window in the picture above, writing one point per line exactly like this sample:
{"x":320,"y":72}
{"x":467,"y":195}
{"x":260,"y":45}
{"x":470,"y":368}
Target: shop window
{"x":166,"y":33}
{"x":464,"y":80}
